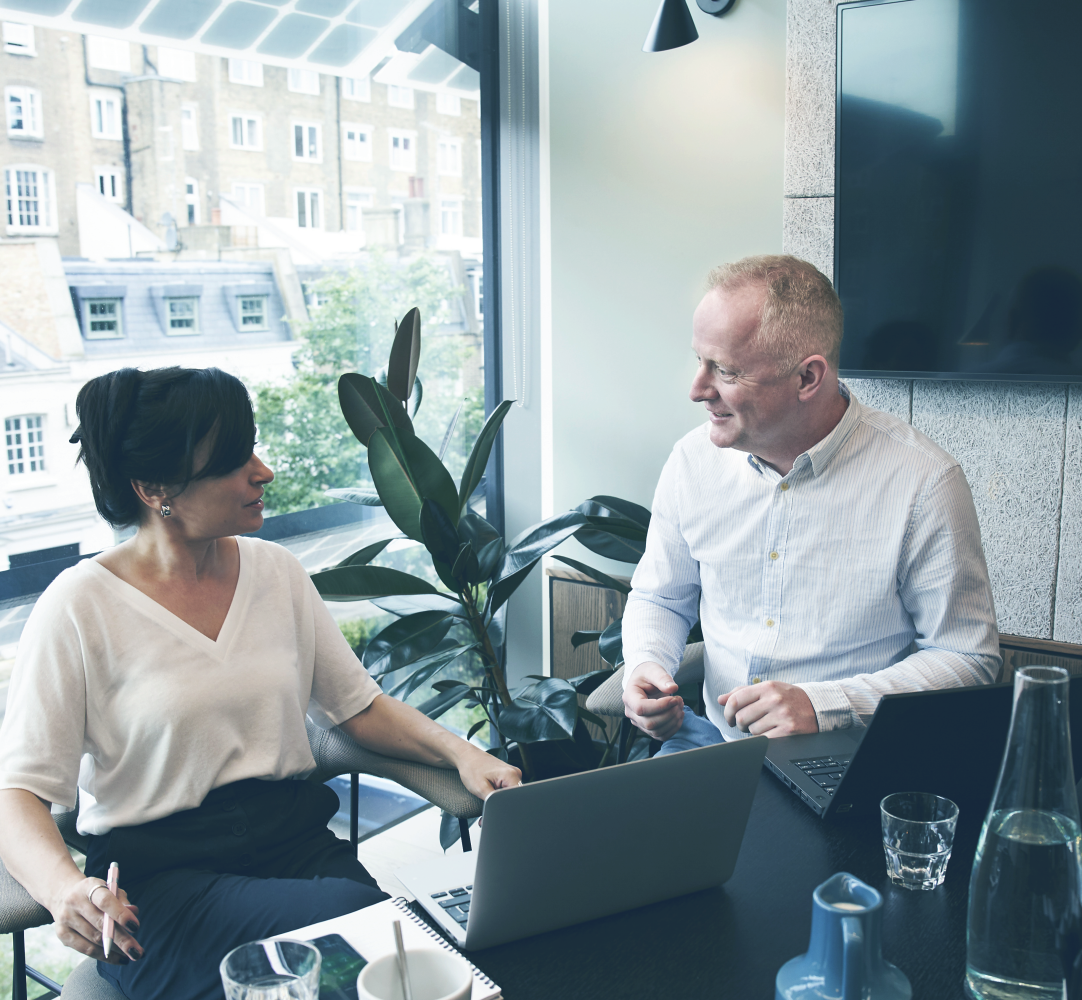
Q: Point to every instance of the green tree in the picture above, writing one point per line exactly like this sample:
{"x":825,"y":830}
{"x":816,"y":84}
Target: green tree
{"x":301,"y":429}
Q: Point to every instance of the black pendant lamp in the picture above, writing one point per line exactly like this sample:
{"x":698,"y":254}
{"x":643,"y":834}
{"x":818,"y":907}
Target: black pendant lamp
{"x":673,"y":25}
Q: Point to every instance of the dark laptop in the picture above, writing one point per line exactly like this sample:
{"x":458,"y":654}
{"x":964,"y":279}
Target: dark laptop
{"x":949,"y":742}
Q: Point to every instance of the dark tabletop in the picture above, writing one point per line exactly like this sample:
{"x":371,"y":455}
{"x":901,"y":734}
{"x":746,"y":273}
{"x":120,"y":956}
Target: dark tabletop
{"x":731,"y":941}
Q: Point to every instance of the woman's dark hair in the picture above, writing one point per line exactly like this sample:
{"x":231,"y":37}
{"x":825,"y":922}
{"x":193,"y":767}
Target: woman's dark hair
{"x":146,"y":426}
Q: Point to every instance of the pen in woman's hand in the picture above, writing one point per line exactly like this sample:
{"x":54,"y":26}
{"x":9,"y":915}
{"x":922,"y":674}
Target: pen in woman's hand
{"x":112,"y":883}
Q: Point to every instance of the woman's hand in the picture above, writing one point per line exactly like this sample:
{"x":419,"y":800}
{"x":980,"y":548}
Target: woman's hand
{"x":79,"y":916}
{"x":482,"y":773}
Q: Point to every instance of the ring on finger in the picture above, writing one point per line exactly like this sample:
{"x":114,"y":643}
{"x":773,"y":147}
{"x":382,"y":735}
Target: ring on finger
{"x":90,"y":892}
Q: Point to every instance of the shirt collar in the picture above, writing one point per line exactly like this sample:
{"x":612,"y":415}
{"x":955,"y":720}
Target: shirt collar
{"x":820,"y":453}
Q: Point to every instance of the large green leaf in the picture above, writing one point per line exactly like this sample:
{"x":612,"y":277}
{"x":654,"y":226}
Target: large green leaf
{"x":589,"y":683}
{"x":365,"y":497}
{"x":545,"y":710}
{"x":427,"y":667}
{"x":611,"y":643}
{"x":406,"y":640}
{"x":489,"y":558}
{"x":475,"y":465}
{"x":438,"y":533}
{"x":526,"y":550}
{"x":406,"y":472}
{"x":614,"y":538}
{"x":436,"y":601}
{"x":472,"y":527}
{"x":364,"y":556}
{"x":603,"y":506}
{"x":405,"y":353}
{"x":367,"y":406}
{"x":602,"y":578}
{"x":446,"y":699}
{"x":583,"y":636}
{"x":362,"y":583}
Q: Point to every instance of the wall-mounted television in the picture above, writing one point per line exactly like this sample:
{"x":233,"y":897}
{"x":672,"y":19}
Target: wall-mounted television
{"x":958,"y":189}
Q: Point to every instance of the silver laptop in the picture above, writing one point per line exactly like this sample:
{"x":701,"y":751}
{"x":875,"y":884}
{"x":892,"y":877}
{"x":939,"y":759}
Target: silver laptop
{"x":558,"y":852}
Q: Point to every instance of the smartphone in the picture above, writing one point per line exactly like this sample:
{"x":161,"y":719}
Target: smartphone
{"x":341,"y":966}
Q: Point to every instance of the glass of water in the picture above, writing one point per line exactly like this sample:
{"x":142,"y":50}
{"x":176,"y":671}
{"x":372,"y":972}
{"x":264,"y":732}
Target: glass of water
{"x":272,"y":970}
{"x":918,"y":834}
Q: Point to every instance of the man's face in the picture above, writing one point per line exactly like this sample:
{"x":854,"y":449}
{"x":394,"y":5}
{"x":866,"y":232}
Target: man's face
{"x":750,"y":407}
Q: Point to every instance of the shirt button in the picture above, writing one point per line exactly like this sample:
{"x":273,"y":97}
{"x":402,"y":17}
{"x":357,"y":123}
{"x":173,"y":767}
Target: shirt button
{"x":773,"y":555}
{"x":784,"y":487}
{"x":239,"y":829}
{"x":770,"y":623}
{"x":756,"y":680}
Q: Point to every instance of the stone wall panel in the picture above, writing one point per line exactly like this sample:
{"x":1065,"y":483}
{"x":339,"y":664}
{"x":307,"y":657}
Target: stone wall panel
{"x":1068,"y":623}
{"x":808,"y":231}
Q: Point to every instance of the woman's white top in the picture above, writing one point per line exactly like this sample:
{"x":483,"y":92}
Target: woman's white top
{"x":146,"y":714}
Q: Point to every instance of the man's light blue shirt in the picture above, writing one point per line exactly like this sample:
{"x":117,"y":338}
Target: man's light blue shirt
{"x":858,"y":574}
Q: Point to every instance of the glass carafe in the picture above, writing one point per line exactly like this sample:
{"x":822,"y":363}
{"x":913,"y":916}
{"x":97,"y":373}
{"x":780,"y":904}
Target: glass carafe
{"x":1025,"y":893}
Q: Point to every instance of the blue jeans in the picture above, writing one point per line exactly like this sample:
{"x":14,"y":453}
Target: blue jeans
{"x":697,"y":731}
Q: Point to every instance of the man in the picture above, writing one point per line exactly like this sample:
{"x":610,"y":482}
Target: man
{"x":831,"y":550}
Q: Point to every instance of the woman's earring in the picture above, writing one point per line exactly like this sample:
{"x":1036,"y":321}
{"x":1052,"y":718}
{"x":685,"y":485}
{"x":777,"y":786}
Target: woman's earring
{"x":165,"y":510}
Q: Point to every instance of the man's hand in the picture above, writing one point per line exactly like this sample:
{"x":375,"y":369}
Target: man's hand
{"x":482,"y":773}
{"x":772,"y":708}
{"x":651,"y":701}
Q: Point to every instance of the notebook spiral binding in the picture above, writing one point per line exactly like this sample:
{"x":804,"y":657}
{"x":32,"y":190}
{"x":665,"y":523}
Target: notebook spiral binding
{"x":403,"y":904}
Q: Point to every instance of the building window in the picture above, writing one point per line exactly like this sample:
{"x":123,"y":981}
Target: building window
{"x":357,"y":142}
{"x":108,"y":53}
{"x":249,"y":196}
{"x":105,"y":115}
{"x":24,"y":111}
{"x":303,"y":81}
{"x":404,"y":151}
{"x":19,"y":39}
{"x":399,"y":97}
{"x":245,"y":132}
{"x":308,"y":209}
{"x":177,"y":64}
{"x":356,"y":201}
{"x":246,"y":71}
{"x":24,"y":444}
{"x":31,"y":195}
{"x":449,"y":157}
{"x":102,"y":319}
{"x":253,"y":312}
{"x":183,"y":316}
{"x":450,"y":217}
{"x":357,"y":88}
{"x":448,"y":104}
{"x":191,"y":200}
{"x":307,"y":144}
{"x":107,"y":180}
{"x":189,"y":126}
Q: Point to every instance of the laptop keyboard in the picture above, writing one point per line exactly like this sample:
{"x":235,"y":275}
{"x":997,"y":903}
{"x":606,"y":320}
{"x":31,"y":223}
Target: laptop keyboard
{"x":826,"y":772}
{"x":456,"y":903}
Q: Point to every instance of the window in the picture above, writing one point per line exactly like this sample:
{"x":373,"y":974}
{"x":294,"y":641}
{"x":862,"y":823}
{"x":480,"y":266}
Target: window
{"x":245,"y":132}
{"x":303,"y":81}
{"x":356,"y":141}
{"x":105,"y":115}
{"x":177,"y":64}
{"x":355,"y":202}
{"x":30,"y":196}
{"x":246,"y":71}
{"x":19,"y":39}
{"x":102,"y":319}
{"x":108,"y":53}
{"x":183,"y":316}
{"x":189,"y":126}
{"x":107,"y":181}
{"x":253,"y":312}
{"x":399,"y":97}
{"x":449,"y":157}
{"x":191,"y":200}
{"x":24,"y":444}
{"x":357,"y":88}
{"x":24,"y":111}
{"x":403,"y":151}
{"x":448,"y":104}
{"x":308,"y":209}
{"x":249,"y":196}
{"x":450,"y":217}
{"x":307,"y":143}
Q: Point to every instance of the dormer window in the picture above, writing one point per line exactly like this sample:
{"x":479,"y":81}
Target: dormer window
{"x":253,"y":312}
{"x":183,"y":314}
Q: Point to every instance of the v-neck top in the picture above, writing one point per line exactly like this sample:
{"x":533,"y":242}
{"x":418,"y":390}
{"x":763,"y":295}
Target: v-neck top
{"x":114,"y":693}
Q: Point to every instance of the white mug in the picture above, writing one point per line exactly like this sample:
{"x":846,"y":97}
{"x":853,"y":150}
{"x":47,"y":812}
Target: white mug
{"x":434,"y":975}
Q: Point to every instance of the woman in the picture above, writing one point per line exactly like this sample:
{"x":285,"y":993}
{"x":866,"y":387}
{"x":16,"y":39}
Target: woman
{"x":168,"y":678}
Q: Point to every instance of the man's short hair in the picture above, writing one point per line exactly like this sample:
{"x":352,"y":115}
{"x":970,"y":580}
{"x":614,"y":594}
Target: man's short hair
{"x":802,"y":314}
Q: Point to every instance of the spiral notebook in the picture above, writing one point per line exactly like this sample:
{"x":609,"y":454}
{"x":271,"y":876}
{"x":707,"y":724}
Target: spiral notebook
{"x":371,"y":932}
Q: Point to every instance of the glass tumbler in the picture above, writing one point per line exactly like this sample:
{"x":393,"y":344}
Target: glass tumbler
{"x":272,"y":970}
{"x":918,"y":834}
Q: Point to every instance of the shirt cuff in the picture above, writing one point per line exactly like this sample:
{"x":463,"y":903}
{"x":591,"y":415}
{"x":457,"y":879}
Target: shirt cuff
{"x":832,"y":708}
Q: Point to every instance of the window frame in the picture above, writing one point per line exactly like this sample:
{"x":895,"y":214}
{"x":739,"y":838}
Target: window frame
{"x":405,"y":135}
{"x":367,"y":131}
{"x":352,"y":199}
{"x":395,"y":90}
{"x":349,"y":87}
{"x":246,"y":118}
{"x":264,"y":324}
{"x":111,"y":97}
{"x":294,"y":77}
{"x":88,"y":333}
{"x":14,"y":48}
{"x":451,"y":203}
{"x":306,"y":127}
{"x":452,"y":143}
{"x":29,"y":98}
{"x":191,"y":71}
{"x":174,"y":324}
{"x":239,"y":71}
{"x":308,"y":193}
{"x":47,"y":181}
{"x":443,"y":97}
{"x":191,"y":201}
{"x":114,"y":177}
{"x":9,"y":460}
{"x":248,"y":186}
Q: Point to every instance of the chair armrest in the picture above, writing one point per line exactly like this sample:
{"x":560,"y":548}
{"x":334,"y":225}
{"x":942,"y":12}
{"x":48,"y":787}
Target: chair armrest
{"x":335,"y":753}
{"x":608,"y":699}
{"x":18,"y":909}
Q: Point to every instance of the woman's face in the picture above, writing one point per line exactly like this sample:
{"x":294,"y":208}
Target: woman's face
{"x":221,"y":505}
